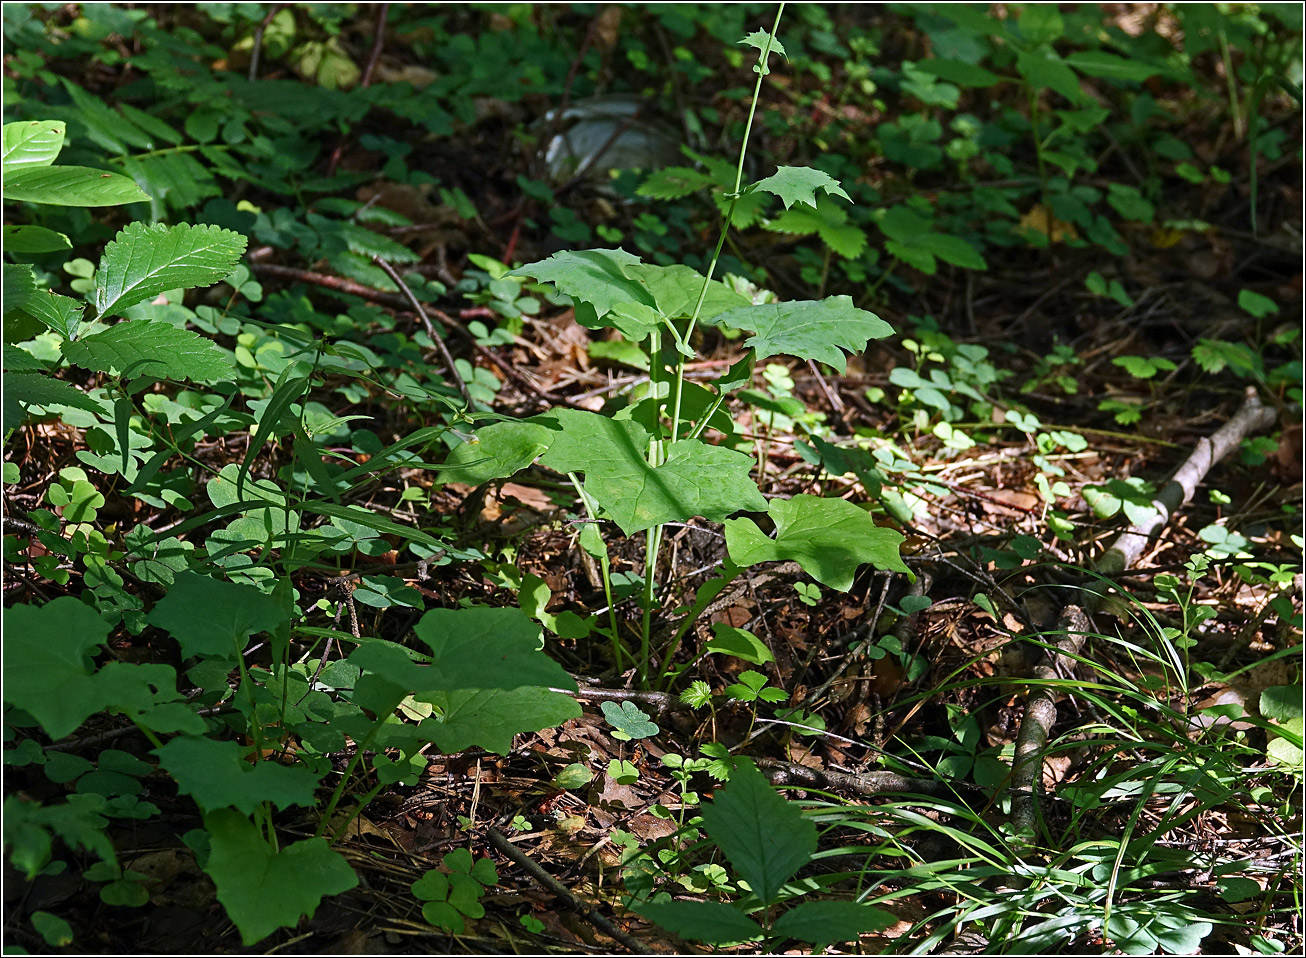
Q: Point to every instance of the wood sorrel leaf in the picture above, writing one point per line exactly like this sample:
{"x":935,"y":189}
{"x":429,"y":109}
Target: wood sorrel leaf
{"x":766,"y":838}
{"x":810,"y":329}
{"x":696,"y":480}
{"x":829,"y":538}
{"x":263,"y":889}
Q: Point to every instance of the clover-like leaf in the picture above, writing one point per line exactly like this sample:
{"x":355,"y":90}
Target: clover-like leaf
{"x":264,"y":889}
{"x":829,"y":538}
{"x":798,"y":184}
{"x":629,"y":720}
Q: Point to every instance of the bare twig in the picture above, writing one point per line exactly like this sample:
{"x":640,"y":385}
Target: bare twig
{"x":1176,"y":493}
{"x":1041,"y":715}
{"x":865,"y":783}
{"x":430,"y":328}
{"x":591,"y":915}
{"x":377,"y":43}
{"x":257,"y":50}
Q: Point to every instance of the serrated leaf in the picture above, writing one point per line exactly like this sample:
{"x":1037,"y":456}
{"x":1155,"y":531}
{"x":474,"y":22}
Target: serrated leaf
{"x":759,"y":40}
{"x":710,"y":921}
{"x":31,"y":143}
{"x":59,"y":313}
{"x":766,"y":838}
{"x":825,"y":922}
{"x":810,"y":329}
{"x":24,"y":389}
{"x":219,"y":775}
{"x":696,"y":479}
{"x":829,"y":538}
{"x":593,"y":276}
{"x":490,"y":718}
{"x":157,"y":349}
{"x":19,"y":287}
{"x":215,"y":619}
{"x":143,"y":261}
{"x":951,"y":249}
{"x":71,"y":186}
{"x":263,"y":890}
{"x":674,"y":182}
{"x":798,"y":184}
{"x":1044,"y":68}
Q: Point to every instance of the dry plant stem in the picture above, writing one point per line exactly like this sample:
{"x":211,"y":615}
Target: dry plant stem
{"x":591,"y":915}
{"x":1041,"y":715}
{"x":1177,"y":492}
{"x":430,"y":327}
{"x":1040,"y":710}
{"x":865,"y":783}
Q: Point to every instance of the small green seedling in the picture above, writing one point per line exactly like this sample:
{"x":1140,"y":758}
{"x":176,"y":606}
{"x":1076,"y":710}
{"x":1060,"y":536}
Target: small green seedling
{"x":450,"y":898}
{"x":629,"y":721}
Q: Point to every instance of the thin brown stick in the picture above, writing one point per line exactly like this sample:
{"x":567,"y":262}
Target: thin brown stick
{"x":430,"y":328}
{"x":378,"y":43}
{"x":591,"y":915}
{"x":256,"y":50}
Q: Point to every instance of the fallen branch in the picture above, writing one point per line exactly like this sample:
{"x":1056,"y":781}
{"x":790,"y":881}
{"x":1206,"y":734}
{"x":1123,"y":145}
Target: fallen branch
{"x":591,"y":915}
{"x":1179,"y":490}
{"x":1041,"y":715}
{"x":1040,"y":712}
{"x":865,"y":783}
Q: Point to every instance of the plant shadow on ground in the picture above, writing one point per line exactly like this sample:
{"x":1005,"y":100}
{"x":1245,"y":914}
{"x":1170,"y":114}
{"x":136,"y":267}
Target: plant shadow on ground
{"x":388,"y":567}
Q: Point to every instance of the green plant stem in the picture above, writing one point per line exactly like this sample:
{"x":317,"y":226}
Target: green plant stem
{"x":345,"y":776}
{"x":358,"y":810}
{"x":762,"y":70}
{"x":605,"y":571}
